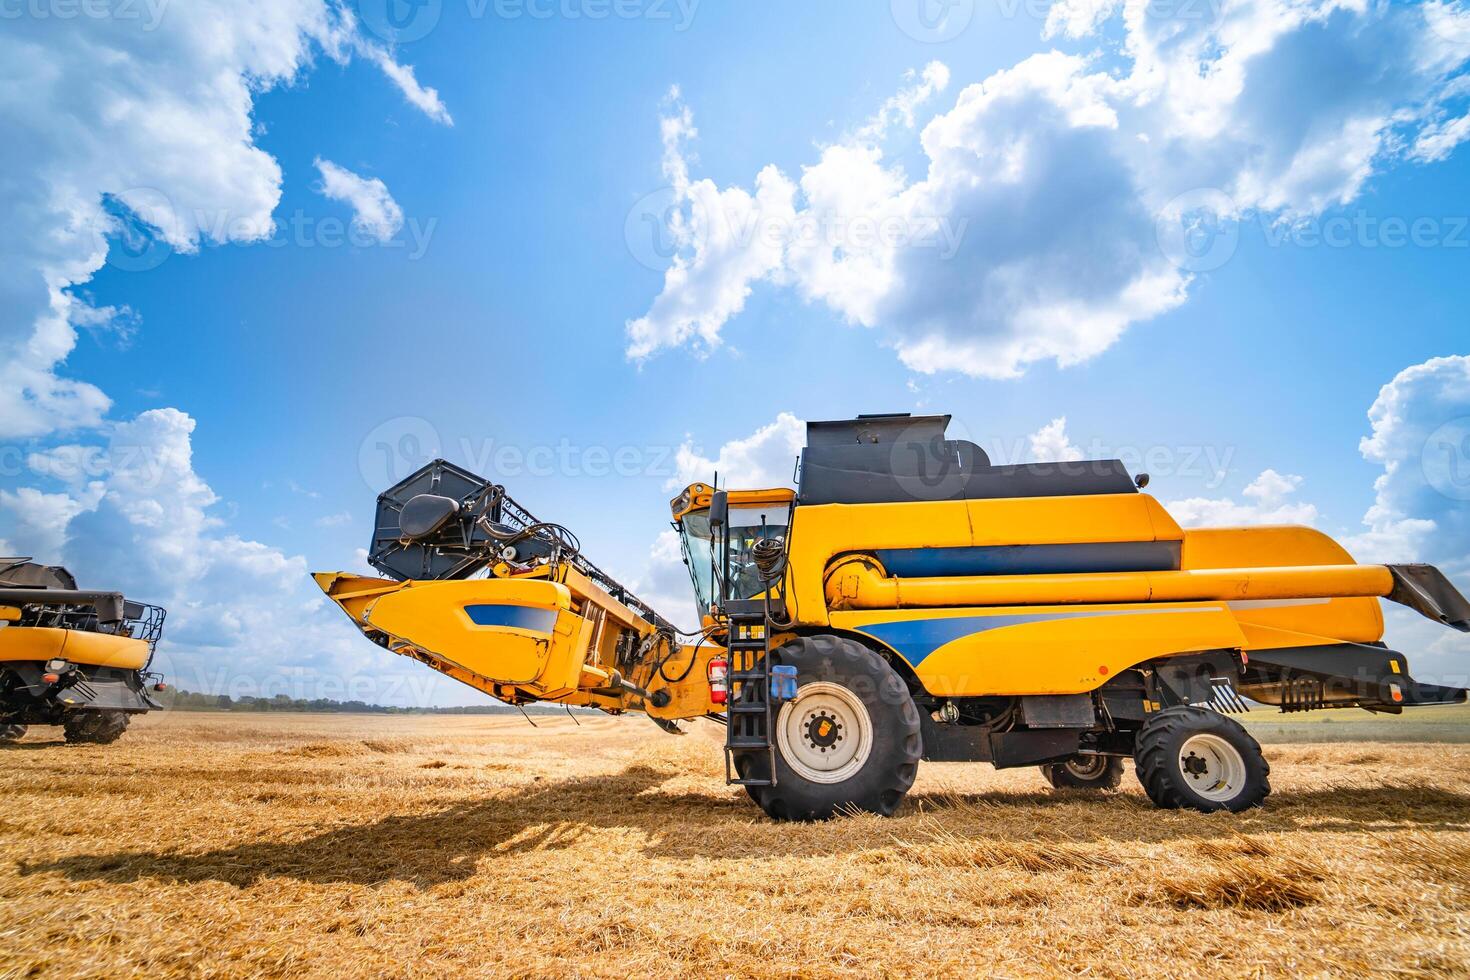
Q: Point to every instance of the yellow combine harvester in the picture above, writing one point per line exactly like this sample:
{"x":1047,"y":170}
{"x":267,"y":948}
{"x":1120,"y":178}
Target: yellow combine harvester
{"x":72,"y":657}
{"x":911,"y":601}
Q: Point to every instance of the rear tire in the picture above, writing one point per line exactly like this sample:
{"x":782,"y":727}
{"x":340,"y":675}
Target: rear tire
{"x":849,"y":740}
{"x":1095,"y":772}
{"x":94,"y":727}
{"x":11,"y":733}
{"x":1194,"y":758}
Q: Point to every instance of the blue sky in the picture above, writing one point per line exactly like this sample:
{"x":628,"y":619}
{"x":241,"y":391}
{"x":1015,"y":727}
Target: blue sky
{"x":523,"y":174}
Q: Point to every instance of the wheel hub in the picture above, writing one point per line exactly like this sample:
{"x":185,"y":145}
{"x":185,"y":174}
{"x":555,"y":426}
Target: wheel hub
{"x":822,"y":730}
{"x":824,"y":733}
{"x":1213,"y":767}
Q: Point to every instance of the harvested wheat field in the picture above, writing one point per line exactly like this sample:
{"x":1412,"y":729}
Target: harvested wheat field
{"x":330,"y":844}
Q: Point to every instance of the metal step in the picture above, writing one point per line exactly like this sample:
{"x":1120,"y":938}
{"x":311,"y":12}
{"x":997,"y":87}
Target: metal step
{"x":747,"y":742}
{"x":747,"y":708}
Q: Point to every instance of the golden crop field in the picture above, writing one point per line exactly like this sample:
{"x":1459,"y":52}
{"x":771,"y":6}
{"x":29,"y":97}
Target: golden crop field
{"x":325,"y":845}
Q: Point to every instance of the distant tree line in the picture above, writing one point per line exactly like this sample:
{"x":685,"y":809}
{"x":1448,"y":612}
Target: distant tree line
{"x":190,"y":701}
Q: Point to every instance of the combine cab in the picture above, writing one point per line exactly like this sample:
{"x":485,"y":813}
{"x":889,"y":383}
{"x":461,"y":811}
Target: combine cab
{"x":909,"y":602}
{"x":72,"y":657}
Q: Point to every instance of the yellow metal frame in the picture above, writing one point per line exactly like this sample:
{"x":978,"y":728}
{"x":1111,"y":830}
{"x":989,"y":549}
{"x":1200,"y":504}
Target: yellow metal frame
{"x":40,"y":643}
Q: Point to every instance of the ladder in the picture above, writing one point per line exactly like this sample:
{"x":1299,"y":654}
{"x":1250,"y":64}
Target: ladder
{"x":750,"y":713}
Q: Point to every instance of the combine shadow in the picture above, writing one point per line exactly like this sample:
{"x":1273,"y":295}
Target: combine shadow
{"x":1378,"y":809}
{"x":430,"y":848}
{"x":444,"y":846}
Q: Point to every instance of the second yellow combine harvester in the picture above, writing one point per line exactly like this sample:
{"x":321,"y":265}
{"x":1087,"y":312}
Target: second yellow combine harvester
{"x":911,"y":602}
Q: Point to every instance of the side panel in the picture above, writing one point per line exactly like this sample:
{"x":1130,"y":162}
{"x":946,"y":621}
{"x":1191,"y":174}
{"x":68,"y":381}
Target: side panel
{"x":510,"y":632}
{"x":819,"y":533}
{"x":38,"y":643}
{"x":1041,"y":649}
{"x":1356,"y":620}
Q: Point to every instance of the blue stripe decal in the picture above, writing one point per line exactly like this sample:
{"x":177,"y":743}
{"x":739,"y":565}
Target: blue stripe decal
{"x":915,"y":639}
{"x":1032,"y":559}
{"x":516,"y":617}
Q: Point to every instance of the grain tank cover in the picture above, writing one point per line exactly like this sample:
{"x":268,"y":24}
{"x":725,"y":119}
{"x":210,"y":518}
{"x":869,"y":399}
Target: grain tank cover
{"x":905,"y":458}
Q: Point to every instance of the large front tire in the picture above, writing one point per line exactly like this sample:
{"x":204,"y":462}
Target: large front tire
{"x":848,"y":741}
{"x":89,"y":727}
{"x":1196,"y":759}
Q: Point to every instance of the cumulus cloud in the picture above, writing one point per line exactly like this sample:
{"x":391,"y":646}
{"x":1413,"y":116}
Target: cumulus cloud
{"x":139,"y":127}
{"x":243,"y":617}
{"x":1269,"y":499}
{"x":1063,"y":202}
{"x":130,"y":125}
{"x":765,"y":458}
{"x":1050,"y":444}
{"x":1421,"y":438}
{"x":1421,"y":502}
{"x":374,"y":211}
{"x":422,"y":97}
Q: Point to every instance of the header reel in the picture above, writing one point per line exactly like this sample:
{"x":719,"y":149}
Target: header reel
{"x":443,"y":522}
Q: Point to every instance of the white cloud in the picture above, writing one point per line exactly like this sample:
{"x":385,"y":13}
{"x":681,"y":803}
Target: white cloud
{"x":726,"y":242}
{"x":1050,"y":444}
{"x":143,"y":128}
{"x":243,"y":617}
{"x":373,"y":209}
{"x":41,"y":518}
{"x":1269,"y":500}
{"x":421,"y":97}
{"x":765,"y":458}
{"x":1421,"y":438}
{"x":1077,"y":18}
{"x":1034,"y":233}
{"x":900,"y":107}
{"x":340,"y":519}
{"x":1421,"y":503}
{"x":153,"y":115}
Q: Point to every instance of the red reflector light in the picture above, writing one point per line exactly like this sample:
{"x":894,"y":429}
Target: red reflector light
{"x":50,"y":678}
{"x":160,"y":686}
{"x":719,"y":681}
